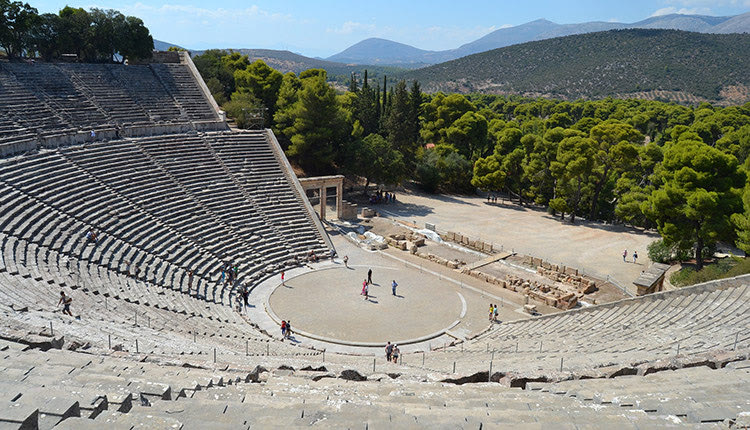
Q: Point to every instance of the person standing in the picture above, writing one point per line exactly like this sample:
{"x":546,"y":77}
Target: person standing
{"x":190,"y":280}
{"x":289,"y":329}
{"x":369,"y":276}
{"x":396,"y":352}
{"x":283,"y":329}
{"x":635,"y":257}
{"x":364,"y":288}
{"x":388,"y":351}
{"x":492,"y":311}
{"x":624,"y":256}
{"x":282,"y":278}
{"x":393,"y":286}
{"x":65,"y":301}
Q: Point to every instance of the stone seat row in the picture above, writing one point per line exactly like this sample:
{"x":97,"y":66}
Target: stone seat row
{"x":682,"y":323}
{"x":111,"y":392}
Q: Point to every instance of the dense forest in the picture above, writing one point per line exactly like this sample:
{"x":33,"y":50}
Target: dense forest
{"x":594,"y":65}
{"x":94,"y":36}
{"x":646,"y":163}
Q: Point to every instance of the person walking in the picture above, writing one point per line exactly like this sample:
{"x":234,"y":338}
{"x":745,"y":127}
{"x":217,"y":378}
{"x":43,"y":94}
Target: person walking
{"x":396,"y":352}
{"x":369,"y":276}
{"x":388,"y":351}
{"x":635,"y":257}
{"x":283,"y":329}
{"x":364,"y":288}
{"x":492,"y":311}
{"x":495,"y":313}
{"x":346,"y":261}
{"x":65,"y":301}
{"x":282,"y":278}
{"x":393,"y":287}
{"x":289,"y":329}
{"x":624,"y":256}
{"x":190,"y":280}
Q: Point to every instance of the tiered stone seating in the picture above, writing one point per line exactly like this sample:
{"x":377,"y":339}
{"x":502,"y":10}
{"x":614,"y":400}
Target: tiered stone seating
{"x":56,"y":100}
{"x":24,"y":110}
{"x":50,"y":84}
{"x":181,"y":85}
{"x":162,"y":205}
{"x":70,"y":390}
{"x":99,"y":85}
{"x":690,"y":321}
{"x":250,"y":159}
{"x":147,"y":92}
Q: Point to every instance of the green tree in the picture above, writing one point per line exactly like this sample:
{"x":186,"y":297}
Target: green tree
{"x":397,"y":124}
{"x":17,"y":20}
{"x":262,"y":82}
{"x":44,"y":36}
{"x":378,"y":161}
{"x":74,"y":32}
{"x":699,"y":193}
{"x":319,"y":128}
{"x":575,"y":159}
{"x":469,"y":135}
{"x":616,"y":151}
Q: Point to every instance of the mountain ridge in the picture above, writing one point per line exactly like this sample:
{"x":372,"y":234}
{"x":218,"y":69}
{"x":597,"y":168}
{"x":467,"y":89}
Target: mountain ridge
{"x":365,"y":52}
{"x":677,"y":65}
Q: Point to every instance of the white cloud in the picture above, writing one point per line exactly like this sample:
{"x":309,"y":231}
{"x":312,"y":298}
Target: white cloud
{"x":252,"y":12}
{"x":350,"y":27}
{"x":682,"y":11}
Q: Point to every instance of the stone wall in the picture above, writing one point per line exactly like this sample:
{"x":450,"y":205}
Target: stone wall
{"x":13,"y":148}
{"x":478,"y":245}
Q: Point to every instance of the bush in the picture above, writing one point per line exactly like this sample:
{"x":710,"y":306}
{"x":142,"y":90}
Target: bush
{"x":724,"y":268}
{"x":659,"y":252}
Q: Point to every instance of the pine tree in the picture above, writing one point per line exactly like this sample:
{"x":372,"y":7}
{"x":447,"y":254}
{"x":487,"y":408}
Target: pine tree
{"x":353,"y":83}
{"x":415,"y":108}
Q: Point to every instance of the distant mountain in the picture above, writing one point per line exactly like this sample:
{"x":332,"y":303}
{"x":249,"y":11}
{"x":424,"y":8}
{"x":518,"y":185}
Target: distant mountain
{"x":735,"y":24}
{"x":286,"y":61}
{"x":381,"y":51}
{"x":163,"y":46}
{"x":668,"y":64}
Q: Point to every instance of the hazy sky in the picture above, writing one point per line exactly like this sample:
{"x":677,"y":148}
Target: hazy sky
{"x":323,"y":28}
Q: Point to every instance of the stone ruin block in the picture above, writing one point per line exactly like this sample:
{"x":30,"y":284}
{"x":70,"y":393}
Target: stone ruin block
{"x":529,"y":309}
{"x":465,"y":240}
{"x":419,"y":241}
{"x":487,"y":247}
{"x":367,"y":213}
{"x":536,"y":261}
{"x":571,"y":271}
{"x":398,"y":236}
{"x":452,"y":264}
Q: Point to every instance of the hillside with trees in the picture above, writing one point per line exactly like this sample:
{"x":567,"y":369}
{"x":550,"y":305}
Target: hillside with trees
{"x":669,"y":63}
{"x":681,"y":169}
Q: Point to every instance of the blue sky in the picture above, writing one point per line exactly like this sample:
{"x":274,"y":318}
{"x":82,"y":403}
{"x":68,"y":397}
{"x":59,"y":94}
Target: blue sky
{"x":323,"y":28}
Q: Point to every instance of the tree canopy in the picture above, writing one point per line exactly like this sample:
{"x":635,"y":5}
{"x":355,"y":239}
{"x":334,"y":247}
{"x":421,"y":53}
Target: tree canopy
{"x":96,"y":35}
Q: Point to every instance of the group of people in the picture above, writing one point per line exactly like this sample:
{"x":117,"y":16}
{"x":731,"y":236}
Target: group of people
{"x":383,"y":197}
{"x":228,"y":273}
{"x":392,"y":353}
{"x":491,"y":198}
{"x":286,"y":329}
{"x":625,"y":256}
{"x":493,"y":312}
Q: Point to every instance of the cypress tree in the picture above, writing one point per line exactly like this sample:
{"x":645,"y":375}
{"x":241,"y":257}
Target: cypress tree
{"x":353,"y":83}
